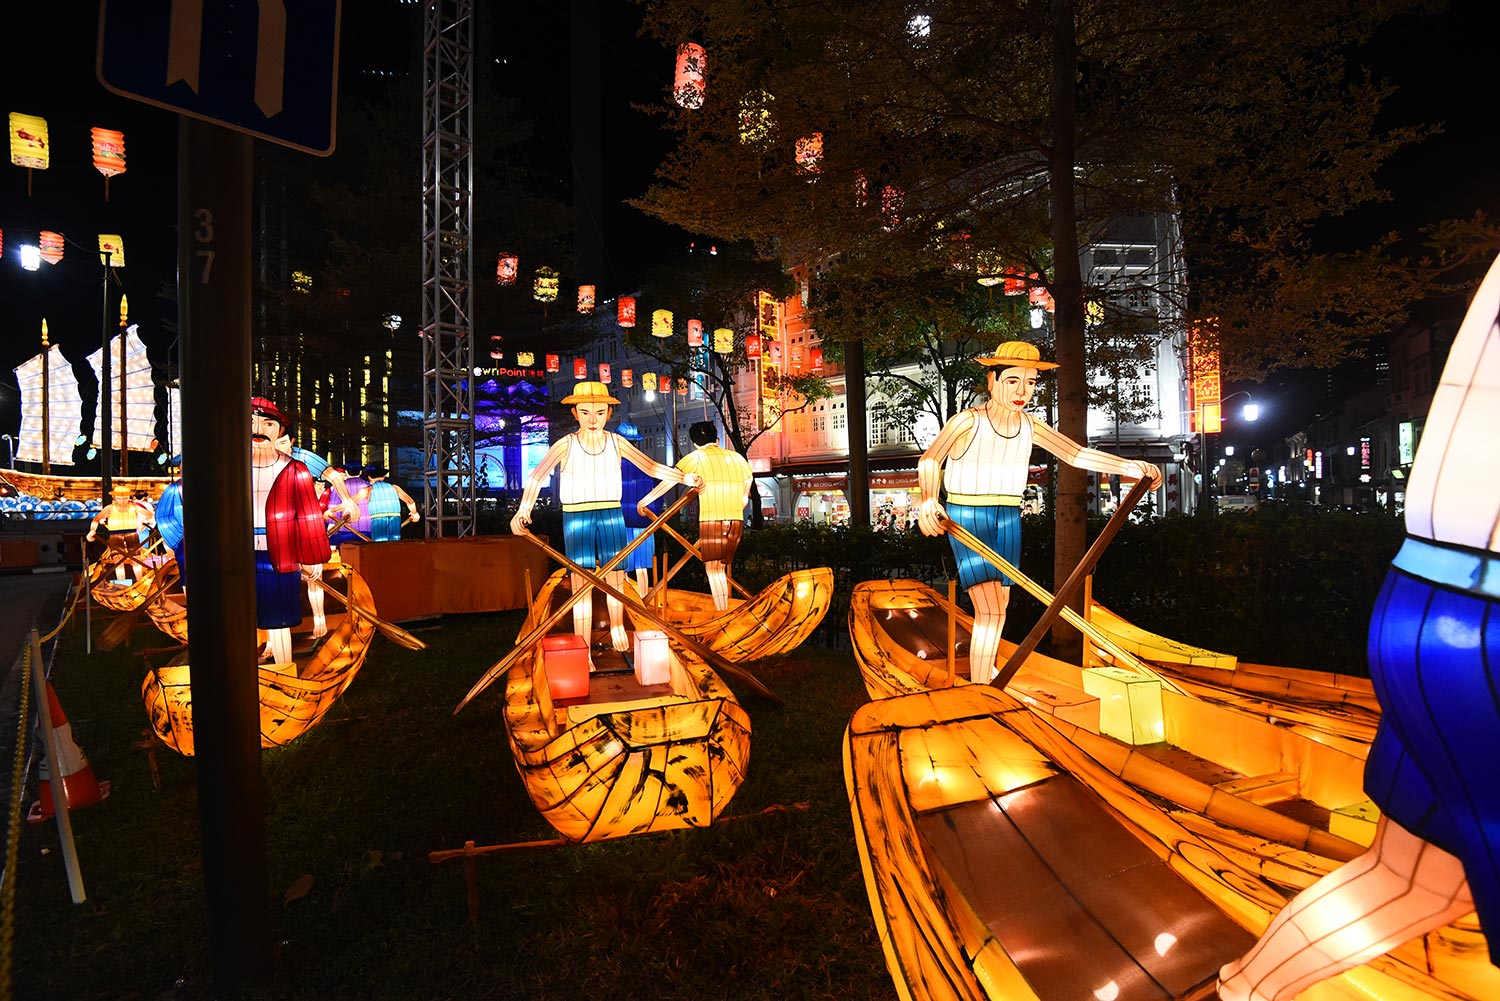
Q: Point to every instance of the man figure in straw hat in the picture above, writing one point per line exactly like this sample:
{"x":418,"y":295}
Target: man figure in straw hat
{"x":988,"y":451}
{"x":589,"y":485}
{"x":123,"y":517}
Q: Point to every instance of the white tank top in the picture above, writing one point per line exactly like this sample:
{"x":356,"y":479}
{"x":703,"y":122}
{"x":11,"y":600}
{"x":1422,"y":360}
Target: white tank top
{"x":992,"y":464}
{"x":588,"y":478}
{"x":1454,"y":493}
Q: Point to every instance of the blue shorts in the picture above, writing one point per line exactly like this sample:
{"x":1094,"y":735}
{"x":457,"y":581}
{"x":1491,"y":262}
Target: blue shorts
{"x":1435,"y":662}
{"x":592,"y":538}
{"x":385,"y":528}
{"x":278,"y":596}
{"x":641,"y":556}
{"x":997,"y":526}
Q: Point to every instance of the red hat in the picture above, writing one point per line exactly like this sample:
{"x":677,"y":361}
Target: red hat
{"x":265,"y":408}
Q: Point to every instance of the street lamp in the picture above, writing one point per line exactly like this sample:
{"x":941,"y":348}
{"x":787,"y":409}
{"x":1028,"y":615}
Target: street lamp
{"x":1251,"y":413}
{"x":10,"y":451}
{"x":31,"y":256}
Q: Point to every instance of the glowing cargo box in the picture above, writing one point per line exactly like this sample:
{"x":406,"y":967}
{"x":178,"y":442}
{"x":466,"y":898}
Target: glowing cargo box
{"x":566,"y":661}
{"x":1129,"y":704}
{"x":652,"y":658}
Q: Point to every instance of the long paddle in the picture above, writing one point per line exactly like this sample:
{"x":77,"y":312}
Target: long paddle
{"x":1075,"y":580}
{"x":524,"y":643}
{"x":389,"y":630}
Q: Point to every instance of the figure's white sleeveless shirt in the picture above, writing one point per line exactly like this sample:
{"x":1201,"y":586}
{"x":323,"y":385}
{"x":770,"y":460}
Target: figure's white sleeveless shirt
{"x":1454,"y":493}
{"x":992,"y":464}
{"x":588,"y":478}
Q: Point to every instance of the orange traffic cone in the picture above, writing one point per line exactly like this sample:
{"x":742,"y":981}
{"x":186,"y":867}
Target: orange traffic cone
{"x":79,"y":785}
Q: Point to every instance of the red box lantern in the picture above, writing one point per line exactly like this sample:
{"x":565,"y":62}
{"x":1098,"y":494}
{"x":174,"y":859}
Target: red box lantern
{"x":554,"y":363}
{"x":580,"y":369}
{"x":664,"y":383}
{"x":816,"y":359}
{"x":565,"y":661}
{"x":626,"y":311}
{"x":752,"y":345}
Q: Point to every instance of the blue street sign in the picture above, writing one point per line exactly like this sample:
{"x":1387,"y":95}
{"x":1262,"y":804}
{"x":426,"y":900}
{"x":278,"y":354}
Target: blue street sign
{"x":266,"y":67}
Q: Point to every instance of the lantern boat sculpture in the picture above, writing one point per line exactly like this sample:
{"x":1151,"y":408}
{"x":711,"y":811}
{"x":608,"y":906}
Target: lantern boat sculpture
{"x":994,"y":825}
{"x":293,"y":697}
{"x":626,"y":758}
{"x":150,"y":573}
{"x":772,"y":622}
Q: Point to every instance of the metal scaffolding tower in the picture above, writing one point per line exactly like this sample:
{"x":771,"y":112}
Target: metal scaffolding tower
{"x":448,"y":267}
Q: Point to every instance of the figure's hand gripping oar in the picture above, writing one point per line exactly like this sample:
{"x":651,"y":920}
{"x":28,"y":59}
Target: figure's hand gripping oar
{"x":1073,"y":583}
{"x":708,"y":656}
{"x":541,"y":629}
{"x":693,"y":549}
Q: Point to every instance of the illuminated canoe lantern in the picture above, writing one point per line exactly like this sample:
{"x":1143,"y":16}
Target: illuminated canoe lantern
{"x":775,"y":621}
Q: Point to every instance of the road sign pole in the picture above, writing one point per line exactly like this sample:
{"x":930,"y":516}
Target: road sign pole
{"x":213,"y":288}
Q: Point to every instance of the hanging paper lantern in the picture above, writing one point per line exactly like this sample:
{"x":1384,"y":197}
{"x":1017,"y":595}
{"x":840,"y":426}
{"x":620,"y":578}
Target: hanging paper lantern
{"x":507,"y":268}
{"x":1039,"y":296}
{"x":692,"y":76}
{"x":752,"y":345}
{"x":664,"y":383}
{"x":112,"y":245}
{"x":988,"y":270}
{"x":816,"y":359}
{"x":775,"y":354}
{"x":2,"y":243}
{"x":682,"y":387}
{"x":52,"y":246}
{"x":627,"y":378}
{"x":585,"y":298}
{"x":723,"y":340}
{"x":892,"y":199}
{"x":545,"y":285}
{"x":525,"y":359}
{"x":756,"y":123}
{"x":28,"y":141}
{"x":604,"y":372}
{"x":497,"y":347}
{"x":1015,"y":282}
{"x":661,"y":323}
{"x":580,"y":369}
{"x":695,"y":333}
{"x":626,"y":311}
{"x":810,"y":153}
{"x":648,"y":381}
{"x":109,"y":151}
{"x":554,"y":363}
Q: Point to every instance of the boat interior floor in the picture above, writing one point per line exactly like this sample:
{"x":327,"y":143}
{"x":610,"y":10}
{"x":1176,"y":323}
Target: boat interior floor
{"x":923,"y":631}
{"x":1079,"y":904}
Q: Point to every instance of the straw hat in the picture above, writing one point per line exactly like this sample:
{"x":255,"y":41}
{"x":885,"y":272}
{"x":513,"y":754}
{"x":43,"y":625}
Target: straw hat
{"x":589,"y":392}
{"x":1017,"y":354}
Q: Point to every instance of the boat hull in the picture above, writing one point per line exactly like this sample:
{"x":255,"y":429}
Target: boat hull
{"x":149,"y":573}
{"x":775,"y":621}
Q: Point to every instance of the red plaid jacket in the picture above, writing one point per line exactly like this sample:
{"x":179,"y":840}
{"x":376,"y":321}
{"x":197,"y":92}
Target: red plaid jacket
{"x":294,"y":521}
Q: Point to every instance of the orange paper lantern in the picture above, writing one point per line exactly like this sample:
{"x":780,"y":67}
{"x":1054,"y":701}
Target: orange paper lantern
{"x":604,"y":372}
{"x":810,"y":153}
{"x":580,"y":369}
{"x":691,"y":82}
{"x":626,"y":311}
{"x":695,"y":333}
{"x":585,"y":298}
{"x":627,"y":378}
{"x":109,"y":154}
{"x":507,"y":268}
{"x":664,"y":383}
{"x":554,"y":363}
{"x":816,"y":359}
{"x":51,"y":246}
{"x":752,"y":345}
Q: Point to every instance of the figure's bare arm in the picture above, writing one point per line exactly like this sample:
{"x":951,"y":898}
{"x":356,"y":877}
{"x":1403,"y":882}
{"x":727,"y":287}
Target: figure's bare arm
{"x":534,"y":486}
{"x":654,"y":469}
{"x":1093,"y":459}
{"x":348,"y":506}
{"x":955,"y":435}
{"x":414,"y":515}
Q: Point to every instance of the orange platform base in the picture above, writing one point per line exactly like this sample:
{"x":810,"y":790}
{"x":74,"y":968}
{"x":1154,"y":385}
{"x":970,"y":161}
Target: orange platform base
{"x":420,"y":578}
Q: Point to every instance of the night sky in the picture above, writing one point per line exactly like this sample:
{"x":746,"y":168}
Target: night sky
{"x":48,"y":70}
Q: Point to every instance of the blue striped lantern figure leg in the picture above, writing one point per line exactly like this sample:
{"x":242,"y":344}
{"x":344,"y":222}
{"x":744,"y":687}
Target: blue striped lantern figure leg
{"x":999,"y":527}
{"x":591,"y":539}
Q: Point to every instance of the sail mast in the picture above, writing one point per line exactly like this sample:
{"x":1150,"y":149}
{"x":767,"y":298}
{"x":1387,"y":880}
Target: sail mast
{"x":124,"y":432}
{"x":46,"y":393}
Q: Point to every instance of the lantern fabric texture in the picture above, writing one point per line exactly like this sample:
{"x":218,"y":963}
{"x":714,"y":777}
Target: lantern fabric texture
{"x":580,"y":369}
{"x":810,"y":153}
{"x":585,"y":298}
{"x":625,"y":312}
{"x":545,"y":284}
{"x":695,"y":333}
{"x":691,"y":81}
{"x":723,"y":340}
{"x":627,"y":378}
{"x":28,"y":141}
{"x":752,"y":345}
{"x":52,"y":246}
{"x":604,"y":372}
{"x":648,"y":382}
{"x":114,"y":246}
{"x":507,"y":268}
{"x":554,"y":363}
{"x":661,"y":323}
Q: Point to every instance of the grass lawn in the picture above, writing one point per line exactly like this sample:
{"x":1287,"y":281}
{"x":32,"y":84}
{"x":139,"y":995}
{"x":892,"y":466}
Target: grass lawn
{"x":766,"y":907}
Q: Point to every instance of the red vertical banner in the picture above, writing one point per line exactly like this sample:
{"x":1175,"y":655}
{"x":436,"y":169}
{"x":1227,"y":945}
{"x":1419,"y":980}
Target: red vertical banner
{"x":1203,"y":355}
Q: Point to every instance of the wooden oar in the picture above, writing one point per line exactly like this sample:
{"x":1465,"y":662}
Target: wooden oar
{"x":693,"y":549}
{"x":708,"y":656}
{"x":1083,"y":569}
{"x":389,"y":630}
{"x":524,"y":643}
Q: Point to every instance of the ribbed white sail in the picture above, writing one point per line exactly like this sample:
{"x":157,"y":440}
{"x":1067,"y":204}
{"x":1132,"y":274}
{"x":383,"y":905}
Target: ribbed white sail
{"x":64,"y":411}
{"x":140,"y":394}
{"x":174,"y":420}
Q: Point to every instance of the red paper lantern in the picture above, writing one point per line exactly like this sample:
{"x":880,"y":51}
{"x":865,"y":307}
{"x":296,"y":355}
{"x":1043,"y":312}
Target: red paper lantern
{"x":1015,"y":282}
{"x":497,"y":347}
{"x":1041,"y":297}
{"x":810,"y":153}
{"x":892,"y":200}
{"x":580,"y":369}
{"x":604,"y":372}
{"x":691,"y":82}
{"x":51,"y":245}
{"x":627,"y":378}
{"x":626,"y":311}
{"x":816,"y":359}
{"x":554,"y":363}
{"x":752,"y":345}
{"x":664,"y":383}
{"x":507,"y":268}
{"x":695,"y":333}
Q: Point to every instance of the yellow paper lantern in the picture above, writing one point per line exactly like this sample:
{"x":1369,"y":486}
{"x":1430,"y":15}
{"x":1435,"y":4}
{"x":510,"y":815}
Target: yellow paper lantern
{"x":525,"y":359}
{"x":723,"y":340}
{"x":51,"y":246}
{"x":625,"y":312}
{"x":113,"y":245}
{"x":506,"y":269}
{"x":545,"y":284}
{"x":28,"y":141}
{"x":585,"y":298}
{"x":661,"y":323}
{"x":756,"y":123}
{"x":648,"y":381}
{"x":691,"y":82}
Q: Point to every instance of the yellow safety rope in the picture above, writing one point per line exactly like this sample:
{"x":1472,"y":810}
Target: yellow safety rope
{"x":77,"y":595}
{"x":13,"y":838}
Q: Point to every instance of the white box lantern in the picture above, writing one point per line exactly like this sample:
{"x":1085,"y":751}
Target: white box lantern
{"x":653,"y":661}
{"x":1129,"y":704}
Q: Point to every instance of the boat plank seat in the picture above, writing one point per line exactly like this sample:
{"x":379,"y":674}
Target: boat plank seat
{"x":1054,"y":698}
{"x":1263,"y":789}
{"x":1081,"y":906}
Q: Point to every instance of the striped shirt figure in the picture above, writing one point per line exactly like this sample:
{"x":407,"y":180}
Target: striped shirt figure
{"x":589,"y":486}
{"x":1434,"y":652}
{"x":987,"y":452}
{"x":721,"y":505}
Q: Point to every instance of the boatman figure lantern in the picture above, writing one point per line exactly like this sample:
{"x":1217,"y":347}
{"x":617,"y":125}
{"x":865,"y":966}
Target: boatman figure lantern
{"x":123,"y":519}
{"x":987,"y":452}
{"x":589,"y":485}
{"x":1434,"y":649}
{"x":291,"y":543}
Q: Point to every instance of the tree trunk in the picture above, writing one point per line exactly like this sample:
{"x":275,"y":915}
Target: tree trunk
{"x":1067,"y":293}
{"x":859,"y":435}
